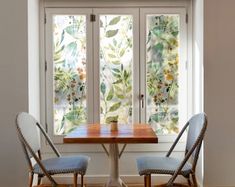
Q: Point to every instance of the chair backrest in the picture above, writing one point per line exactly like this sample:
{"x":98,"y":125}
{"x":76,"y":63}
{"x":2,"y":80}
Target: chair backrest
{"x":196,"y":131}
{"x":197,"y":125}
{"x":28,"y":131}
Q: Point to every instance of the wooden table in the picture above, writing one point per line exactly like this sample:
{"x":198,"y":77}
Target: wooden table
{"x":102,"y":134}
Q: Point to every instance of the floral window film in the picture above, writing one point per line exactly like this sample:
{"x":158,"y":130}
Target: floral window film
{"x":116,"y":58}
{"x":162,"y":59}
{"x":69,"y":60}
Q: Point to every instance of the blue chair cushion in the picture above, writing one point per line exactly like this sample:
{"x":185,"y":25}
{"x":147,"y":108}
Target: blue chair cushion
{"x":67,"y":164}
{"x":161,"y":165}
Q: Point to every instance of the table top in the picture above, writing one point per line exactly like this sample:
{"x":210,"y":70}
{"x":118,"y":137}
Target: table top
{"x":99,"y":133}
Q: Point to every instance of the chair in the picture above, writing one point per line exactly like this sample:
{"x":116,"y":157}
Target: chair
{"x":29,"y":134}
{"x":173,"y":166}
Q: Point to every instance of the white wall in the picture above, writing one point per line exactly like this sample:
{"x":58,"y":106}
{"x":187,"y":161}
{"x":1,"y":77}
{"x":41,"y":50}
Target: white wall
{"x":219,"y":90}
{"x":219,"y":63}
{"x":13,"y":89}
{"x":18,"y":65}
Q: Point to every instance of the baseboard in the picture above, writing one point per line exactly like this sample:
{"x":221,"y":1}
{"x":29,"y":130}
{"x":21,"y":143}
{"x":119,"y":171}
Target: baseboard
{"x":129,"y":179}
{"x":199,"y":184}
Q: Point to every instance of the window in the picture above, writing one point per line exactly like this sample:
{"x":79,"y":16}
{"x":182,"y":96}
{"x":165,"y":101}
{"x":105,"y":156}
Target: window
{"x":127,"y":64}
{"x":163,"y":73}
{"x":116,"y":62}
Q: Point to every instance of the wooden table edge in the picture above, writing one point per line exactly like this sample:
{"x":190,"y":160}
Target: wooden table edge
{"x":99,"y":140}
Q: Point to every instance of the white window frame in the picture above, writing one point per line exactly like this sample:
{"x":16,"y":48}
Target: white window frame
{"x":183,"y":69}
{"x":163,"y":144}
{"x":50,"y":70}
{"x":135,"y":77}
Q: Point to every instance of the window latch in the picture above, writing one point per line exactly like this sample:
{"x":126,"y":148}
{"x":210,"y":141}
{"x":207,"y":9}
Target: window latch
{"x":142,"y":100}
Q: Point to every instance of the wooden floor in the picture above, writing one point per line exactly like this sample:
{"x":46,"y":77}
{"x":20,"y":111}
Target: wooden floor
{"x":129,"y":185}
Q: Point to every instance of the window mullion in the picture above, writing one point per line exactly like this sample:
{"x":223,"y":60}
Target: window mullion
{"x":90,"y":70}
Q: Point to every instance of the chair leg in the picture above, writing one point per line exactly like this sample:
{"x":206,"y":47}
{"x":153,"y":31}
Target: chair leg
{"x":39,"y":179}
{"x":194,"y":180}
{"x":147,"y":181}
{"x":54,"y":184}
{"x":82,"y":177}
{"x":189,"y":181}
{"x":31,"y":179}
{"x":75,"y":179}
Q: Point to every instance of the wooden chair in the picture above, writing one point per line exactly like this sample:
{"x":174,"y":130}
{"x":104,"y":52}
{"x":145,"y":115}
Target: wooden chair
{"x":29,"y":134}
{"x":173,"y":166}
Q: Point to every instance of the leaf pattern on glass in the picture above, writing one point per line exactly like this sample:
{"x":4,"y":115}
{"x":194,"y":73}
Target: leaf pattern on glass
{"x":116,"y":55}
{"x":162,"y":72}
{"x":69,"y":61}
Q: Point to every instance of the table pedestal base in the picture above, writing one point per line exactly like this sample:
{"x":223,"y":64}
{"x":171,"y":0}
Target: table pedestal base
{"x":115,"y":183}
{"x":114,"y":178}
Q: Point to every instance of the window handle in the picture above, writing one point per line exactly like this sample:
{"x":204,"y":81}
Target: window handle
{"x":142,"y":100}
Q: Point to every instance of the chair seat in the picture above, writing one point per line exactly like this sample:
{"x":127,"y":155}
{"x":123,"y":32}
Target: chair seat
{"x":161,"y":165}
{"x":68,"y":164}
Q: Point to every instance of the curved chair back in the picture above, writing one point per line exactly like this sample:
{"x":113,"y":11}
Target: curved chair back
{"x":29,"y":134}
{"x":197,"y":127}
{"x":27,"y":127}
{"x":196,"y":130}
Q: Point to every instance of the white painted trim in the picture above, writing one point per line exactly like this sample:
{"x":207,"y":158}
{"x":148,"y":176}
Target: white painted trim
{"x":199,"y":184}
{"x":190,"y":59}
{"x":163,"y":141}
{"x":50,"y":12}
{"x":111,"y":3}
{"x":42,"y":59}
{"x":183,"y":75}
{"x":135,"y":77}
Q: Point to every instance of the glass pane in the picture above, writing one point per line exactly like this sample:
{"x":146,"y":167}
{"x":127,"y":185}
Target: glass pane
{"x":162,"y":59}
{"x":116,"y":57}
{"x":69,"y":60}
